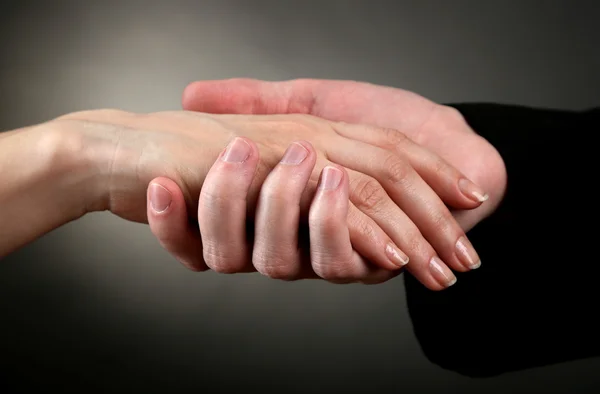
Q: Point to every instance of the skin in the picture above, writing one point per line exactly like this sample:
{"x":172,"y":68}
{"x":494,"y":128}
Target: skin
{"x":106,"y":159}
{"x":275,"y":250}
{"x":438,"y":128}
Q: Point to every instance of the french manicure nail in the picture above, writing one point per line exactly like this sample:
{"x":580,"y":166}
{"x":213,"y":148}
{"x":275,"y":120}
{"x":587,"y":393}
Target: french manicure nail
{"x":295,"y":154}
{"x":472,"y":191}
{"x":396,"y":256}
{"x":441,"y":272}
{"x":467,"y":254}
{"x":160,"y":198}
{"x":237,"y":151}
{"x":331,"y":178}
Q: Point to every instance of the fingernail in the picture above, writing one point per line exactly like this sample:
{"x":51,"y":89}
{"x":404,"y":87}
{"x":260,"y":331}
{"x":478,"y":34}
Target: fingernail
{"x":472,"y":191}
{"x":295,"y":154}
{"x":331,"y":178}
{"x":160,"y":198}
{"x":441,"y":272}
{"x":396,"y":256}
{"x":237,"y":151}
{"x":467,"y":254}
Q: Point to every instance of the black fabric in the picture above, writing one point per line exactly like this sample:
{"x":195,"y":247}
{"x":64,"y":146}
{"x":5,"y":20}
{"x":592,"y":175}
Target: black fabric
{"x":534,"y":301}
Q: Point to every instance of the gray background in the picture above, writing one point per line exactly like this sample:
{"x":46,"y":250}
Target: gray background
{"x":97,"y":305}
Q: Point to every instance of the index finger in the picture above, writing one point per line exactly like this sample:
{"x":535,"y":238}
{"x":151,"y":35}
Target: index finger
{"x":454,"y":188}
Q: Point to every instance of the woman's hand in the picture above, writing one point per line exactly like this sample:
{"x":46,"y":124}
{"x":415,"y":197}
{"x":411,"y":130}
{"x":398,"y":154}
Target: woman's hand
{"x":275,"y":249}
{"x":283,"y":244}
{"x":387,"y":195}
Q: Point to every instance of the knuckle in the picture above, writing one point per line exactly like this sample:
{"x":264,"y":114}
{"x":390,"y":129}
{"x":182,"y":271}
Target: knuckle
{"x":329,"y":225}
{"x":275,"y":265}
{"x":277,"y":271}
{"x":442,"y":220}
{"x":440,"y":166}
{"x":221,"y":262}
{"x":413,"y":242}
{"x":335,"y":271}
{"x":396,"y":169}
{"x":369,"y":193}
{"x":451,"y":114}
{"x":279,"y":190}
{"x":393,"y":137}
{"x":214,"y":198}
{"x":168,"y":240}
{"x":325,"y":222}
{"x":366,"y":230}
{"x":168,"y":237}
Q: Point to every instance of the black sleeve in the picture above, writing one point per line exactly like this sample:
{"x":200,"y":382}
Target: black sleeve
{"x":534,"y":301}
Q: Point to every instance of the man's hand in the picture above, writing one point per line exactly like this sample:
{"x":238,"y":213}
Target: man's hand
{"x":438,"y":128}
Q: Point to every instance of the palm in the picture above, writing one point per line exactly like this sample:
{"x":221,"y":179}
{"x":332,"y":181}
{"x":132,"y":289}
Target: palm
{"x":429,"y":124}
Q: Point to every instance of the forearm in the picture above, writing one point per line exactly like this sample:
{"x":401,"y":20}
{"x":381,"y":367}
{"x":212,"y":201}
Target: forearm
{"x":46,"y":183}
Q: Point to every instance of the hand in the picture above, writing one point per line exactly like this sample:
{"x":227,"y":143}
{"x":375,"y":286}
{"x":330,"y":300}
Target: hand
{"x":275,"y":250}
{"x":438,"y":128}
{"x":387,"y":195}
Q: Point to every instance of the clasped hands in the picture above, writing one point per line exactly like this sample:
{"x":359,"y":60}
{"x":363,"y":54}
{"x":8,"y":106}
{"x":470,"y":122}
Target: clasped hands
{"x":342,"y":181}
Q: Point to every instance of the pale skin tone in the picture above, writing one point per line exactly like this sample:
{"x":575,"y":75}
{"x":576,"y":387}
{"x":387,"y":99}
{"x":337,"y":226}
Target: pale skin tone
{"x":275,"y":251}
{"x":102,"y":160}
{"x":438,"y":128}
{"x":387,"y":206}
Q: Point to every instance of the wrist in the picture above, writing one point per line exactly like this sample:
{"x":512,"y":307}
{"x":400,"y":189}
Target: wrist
{"x":116,"y":161}
{"x":45,"y":183}
{"x":70,"y":161}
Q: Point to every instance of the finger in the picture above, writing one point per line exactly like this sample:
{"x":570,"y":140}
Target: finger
{"x":372,"y":200}
{"x":277,"y":253}
{"x":222,"y":208}
{"x":367,"y":238}
{"x":412,"y":194}
{"x":331,"y":250}
{"x":276,"y":250}
{"x":247,"y":96}
{"x":371,"y":242}
{"x":451,"y":185}
{"x":169,"y":222}
{"x":336,"y":100}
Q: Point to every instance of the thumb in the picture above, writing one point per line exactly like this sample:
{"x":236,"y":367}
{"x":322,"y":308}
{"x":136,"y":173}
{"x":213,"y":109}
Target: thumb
{"x":250,"y":96}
